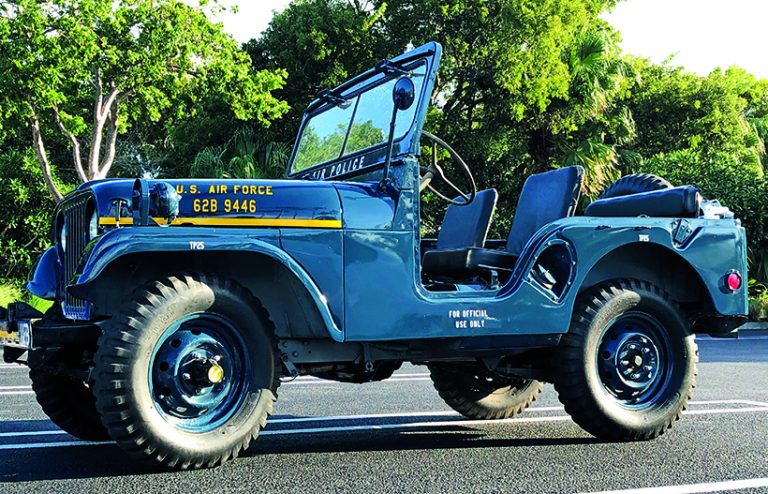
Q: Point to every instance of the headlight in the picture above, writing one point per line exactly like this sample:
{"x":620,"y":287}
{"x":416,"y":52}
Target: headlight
{"x":93,"y":226}
{"x":63,"y":236}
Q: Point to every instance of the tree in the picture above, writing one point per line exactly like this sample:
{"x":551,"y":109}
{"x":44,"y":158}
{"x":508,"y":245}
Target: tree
{"x":246,"y":155}
{"x":716,"y":116}
{"x":504,"y":64}
{"x":320,"y":43}
{"x":85,"y":70}
{"x":591,"y":126}
{"x":25,"y":215}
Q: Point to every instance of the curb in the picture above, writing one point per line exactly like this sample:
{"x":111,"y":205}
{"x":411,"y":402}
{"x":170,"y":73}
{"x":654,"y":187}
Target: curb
{"x":754,"y":326}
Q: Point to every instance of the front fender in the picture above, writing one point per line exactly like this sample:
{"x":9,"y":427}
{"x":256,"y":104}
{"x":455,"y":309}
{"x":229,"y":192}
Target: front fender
{"x":43,"y":282}
{"x":122,"y":242}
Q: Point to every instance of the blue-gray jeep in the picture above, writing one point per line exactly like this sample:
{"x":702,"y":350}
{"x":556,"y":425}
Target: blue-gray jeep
{"x":180,"y":304}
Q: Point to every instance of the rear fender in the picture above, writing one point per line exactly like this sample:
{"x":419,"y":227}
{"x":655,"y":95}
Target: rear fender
{"x":711,"y":250}
{"x":200,"y":245}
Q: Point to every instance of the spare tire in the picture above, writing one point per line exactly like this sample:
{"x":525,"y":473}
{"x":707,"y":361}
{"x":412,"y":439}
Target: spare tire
{"x":634,"y":184}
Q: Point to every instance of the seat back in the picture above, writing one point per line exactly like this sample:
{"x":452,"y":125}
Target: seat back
{"x":467,"y":226}
{"x":545,"y":197}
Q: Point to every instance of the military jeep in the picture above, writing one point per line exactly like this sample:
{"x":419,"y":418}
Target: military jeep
{"x":180,"y":304}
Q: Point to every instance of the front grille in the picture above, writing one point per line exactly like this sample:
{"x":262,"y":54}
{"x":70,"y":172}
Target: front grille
{"x":75,"y":217}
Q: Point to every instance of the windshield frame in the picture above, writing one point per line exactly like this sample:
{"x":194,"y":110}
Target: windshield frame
{"x":423,"y":60}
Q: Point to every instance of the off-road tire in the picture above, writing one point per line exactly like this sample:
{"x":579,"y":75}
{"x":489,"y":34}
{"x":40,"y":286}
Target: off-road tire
{"x":69,"y":404}
{"x":129,"y":410}
{"x":635,"y":184}
{"x":581,"y":383}
{"x":477,"y":394}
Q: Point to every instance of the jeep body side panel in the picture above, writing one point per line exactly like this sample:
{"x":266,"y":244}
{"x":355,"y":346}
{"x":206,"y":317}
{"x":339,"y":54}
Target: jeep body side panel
{"x":385,"y":300}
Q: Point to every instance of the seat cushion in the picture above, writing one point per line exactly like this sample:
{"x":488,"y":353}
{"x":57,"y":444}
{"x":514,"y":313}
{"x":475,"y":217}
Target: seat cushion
{"x":677,"y":202}
{"x":462,"y":262}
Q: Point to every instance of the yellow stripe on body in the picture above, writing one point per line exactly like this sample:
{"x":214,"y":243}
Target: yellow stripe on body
{"x":221,"y":221}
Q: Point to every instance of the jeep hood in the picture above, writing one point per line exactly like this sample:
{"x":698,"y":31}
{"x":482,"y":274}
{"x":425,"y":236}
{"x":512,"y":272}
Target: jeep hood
{"x":207,"y":202}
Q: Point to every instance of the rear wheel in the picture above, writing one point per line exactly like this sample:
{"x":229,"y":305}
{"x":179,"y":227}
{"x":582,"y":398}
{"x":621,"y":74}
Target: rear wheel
{"x":187,"y":373}
{"x":627,"y":367}
{"x":479,"y":394}
{"x":69,"y":404}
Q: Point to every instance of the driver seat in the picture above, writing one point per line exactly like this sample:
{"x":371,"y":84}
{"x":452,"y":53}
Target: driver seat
{"x":546,"y":197}
{"x":467,"y":226}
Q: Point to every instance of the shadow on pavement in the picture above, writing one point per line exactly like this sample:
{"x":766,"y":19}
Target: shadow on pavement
{"x":83,"y":462}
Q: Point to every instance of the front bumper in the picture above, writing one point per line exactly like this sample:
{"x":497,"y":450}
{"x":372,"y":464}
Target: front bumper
{"x":23,"y":328}
{"x":16,"y":330}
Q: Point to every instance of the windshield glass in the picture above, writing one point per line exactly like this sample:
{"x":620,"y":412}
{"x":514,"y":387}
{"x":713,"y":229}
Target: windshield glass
{"x":364,"y":123}
{"x":323,"y":138}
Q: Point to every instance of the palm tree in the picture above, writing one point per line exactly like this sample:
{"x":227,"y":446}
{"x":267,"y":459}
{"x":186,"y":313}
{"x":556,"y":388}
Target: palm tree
{"x":246,"y":155}
{"x":597,"y":77}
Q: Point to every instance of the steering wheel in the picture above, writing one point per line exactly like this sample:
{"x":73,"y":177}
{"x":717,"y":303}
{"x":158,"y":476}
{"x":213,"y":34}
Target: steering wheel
{"x":436,"y":171}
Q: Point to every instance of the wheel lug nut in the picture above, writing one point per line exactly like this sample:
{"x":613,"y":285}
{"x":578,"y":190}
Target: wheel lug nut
{"x":646,"y":350}
{"x":647,"y":367}
{"x":186,"y":376}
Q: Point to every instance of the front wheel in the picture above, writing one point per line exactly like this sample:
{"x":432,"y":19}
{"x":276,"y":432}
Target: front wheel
{"x":186,"y":373}
{"x":628,"y":364}
{"x":479,"y":394}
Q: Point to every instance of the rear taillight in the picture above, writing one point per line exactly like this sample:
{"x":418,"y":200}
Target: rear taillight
{"x":733,"y":280}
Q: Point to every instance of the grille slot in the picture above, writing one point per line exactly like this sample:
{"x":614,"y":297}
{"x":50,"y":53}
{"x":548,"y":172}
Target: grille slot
{"x":75,"y":211}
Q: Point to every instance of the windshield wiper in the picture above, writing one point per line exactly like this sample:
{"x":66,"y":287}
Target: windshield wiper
{"x":389,"y":67}
{"x":327,"y":96}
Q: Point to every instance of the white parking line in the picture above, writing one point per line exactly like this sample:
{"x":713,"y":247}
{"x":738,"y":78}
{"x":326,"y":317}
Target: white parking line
{"x":315,"y":380}
{"x":62,"y":444}
{"x":49,"y":432}
{"x":728,"y":485}
{"x":363,"y":427}
{"x":332,"y":418}
{"x":723,"y":402}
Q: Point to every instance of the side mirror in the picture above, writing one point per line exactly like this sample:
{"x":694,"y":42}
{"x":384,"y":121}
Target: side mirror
{"x":403,"y":96}
{"x":404,"y":93}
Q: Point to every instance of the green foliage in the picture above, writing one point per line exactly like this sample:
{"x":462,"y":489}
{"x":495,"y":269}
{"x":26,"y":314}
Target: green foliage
{"x":86,"y":70}
{"x":246,"y":155}
{"x":728,"y":181}
{"x":507,"y":90}
{"x":8,"y":293}
{"x":25,"y":215}
{"x":320,"y":43}
{"x":758,"y":300}
{"x":717,"y":116}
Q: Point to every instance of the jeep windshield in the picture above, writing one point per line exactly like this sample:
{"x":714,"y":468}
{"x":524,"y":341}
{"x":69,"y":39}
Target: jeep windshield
{"x":348,"y":133}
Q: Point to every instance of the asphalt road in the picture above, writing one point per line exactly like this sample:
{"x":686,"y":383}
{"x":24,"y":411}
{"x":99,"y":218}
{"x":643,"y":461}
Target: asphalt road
{"x":398,"y":436}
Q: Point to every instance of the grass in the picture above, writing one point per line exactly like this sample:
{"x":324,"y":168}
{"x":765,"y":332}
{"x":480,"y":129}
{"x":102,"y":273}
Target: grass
{"x":10,"y":293}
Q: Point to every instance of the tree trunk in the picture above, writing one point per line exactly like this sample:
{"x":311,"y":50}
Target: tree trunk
{"x":42,"y":158}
